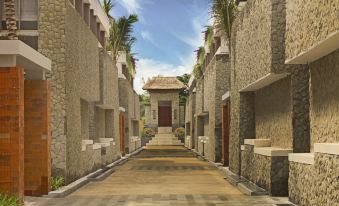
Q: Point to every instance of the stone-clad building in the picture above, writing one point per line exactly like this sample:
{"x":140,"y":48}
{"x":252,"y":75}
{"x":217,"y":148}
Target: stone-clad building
{"x":312,"y":40}
{"x":84,"y":81}
{"x":203,"y":116}
{"x":129,"y":106}
{"x":164,"y":109}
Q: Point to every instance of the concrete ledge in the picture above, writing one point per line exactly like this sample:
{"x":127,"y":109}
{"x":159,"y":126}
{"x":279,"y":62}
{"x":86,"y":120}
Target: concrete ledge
{"x":304,"y":158}
{"x":242,"y":147}
{"x":258,"y":142}
{"x":225,"y":96}
{"x":104,"y":140}
{"x":96,"y":146}
{"x":263,"y":82}
{"x":327,"y":148}
{"x":272,"y":151}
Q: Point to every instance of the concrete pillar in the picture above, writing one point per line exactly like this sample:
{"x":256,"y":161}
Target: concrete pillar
{"x":37,"y":162}
{"x":12,"y":130}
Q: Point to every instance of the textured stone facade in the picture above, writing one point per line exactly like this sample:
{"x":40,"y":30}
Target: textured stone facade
{"x":318,"y":184}
{"x":84,"y":89}
{"x":208,"y":103}
{"x":129,"y":100}
{"x":308,"y":23}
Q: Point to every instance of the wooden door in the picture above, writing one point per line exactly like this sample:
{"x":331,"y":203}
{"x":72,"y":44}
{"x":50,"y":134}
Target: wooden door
{"x":122,"y":133}
{"x":165,"y":116}
{"x":225,"y":133}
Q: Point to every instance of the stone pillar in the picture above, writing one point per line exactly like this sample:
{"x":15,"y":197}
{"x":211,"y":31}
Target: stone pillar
{"x":12,"y":130}
{"x":37,"y":137}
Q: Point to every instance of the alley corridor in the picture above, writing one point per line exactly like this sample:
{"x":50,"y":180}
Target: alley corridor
{"x":160,"y":176}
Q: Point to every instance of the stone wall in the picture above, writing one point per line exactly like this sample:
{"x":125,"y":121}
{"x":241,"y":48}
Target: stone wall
{"x":81,"y":82}
{"x":273,"y":113}
{"x":308,"y":23}
{"x":324,"y":99}
{"x":52,"y":44}
{"x":259,"y":27}
{"x":313,"y":185}
{"x":182,"y":115}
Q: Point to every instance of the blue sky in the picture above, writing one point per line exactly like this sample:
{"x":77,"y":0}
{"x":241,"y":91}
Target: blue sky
{"x":168,"y":33}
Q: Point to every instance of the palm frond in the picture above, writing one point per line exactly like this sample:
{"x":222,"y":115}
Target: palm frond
{"x":107,"y":6}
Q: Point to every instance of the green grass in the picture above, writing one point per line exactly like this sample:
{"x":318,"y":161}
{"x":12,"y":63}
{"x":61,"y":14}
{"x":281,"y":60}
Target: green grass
{"x":10,"y":200}
{"x":56,"y":183}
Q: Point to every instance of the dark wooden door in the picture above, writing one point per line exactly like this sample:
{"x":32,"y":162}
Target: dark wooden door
{"x":164,"y":116}
{"x":122,"y":133}
{"x":225,"y":133}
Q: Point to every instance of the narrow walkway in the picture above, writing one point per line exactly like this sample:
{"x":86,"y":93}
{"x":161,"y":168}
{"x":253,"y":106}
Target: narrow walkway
{"x":160,"y":176}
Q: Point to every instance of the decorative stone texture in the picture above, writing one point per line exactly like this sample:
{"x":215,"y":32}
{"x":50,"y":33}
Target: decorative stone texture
{"x":210,"y":89}
{"x":273,"y":116}
{"x":324,"y":99}
{"x":300,"y":85}
{"x":259,"y":27}
{"x":52,"y":44}
{"x":129,"y":100}
{"x":270,"y":173}
{"x":182,"y":115}
{"x":12,"y":130}
{"x":308,"y":23}
{"x":315,"y":185}
{"x":37,"y":164}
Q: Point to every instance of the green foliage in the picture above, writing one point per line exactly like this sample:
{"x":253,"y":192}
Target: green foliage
{"x":144,"y":98}
{"x":148,"y":132}
{"x":209,"y":40}
{"x":224,"y":12}
{"x":185,"y":78}
{"x":107,"y":5}
{"x":197,"y":71}
{"x":57,"y":182}
{"x":120,"y":34}
{"x":180,"y":133}
{"x":130,"y":64}
{"x":201,"y":55}
{"x":10,"y":200}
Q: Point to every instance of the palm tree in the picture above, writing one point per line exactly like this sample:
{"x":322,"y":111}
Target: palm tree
{"x":108,"y":5}
{"x":120,"y":35}
{"x":224,"y":12}
{"x":9,"y":7}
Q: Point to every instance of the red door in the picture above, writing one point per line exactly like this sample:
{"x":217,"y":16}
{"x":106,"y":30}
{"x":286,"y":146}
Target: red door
{"x":225,"y":133}
{"x":165,"y":116}
{"x":122,"y":133}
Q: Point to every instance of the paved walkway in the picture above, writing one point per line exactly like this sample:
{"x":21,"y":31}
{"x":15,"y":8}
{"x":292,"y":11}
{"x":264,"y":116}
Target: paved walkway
{"x":160,"y":176}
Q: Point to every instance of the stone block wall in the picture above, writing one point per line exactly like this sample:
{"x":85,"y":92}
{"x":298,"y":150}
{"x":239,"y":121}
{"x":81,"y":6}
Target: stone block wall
{"x":324,"y":99}
{"x":52,"y":44}
{"x":259,"y":27}
{"x":37,"y":144}
{"x":12,"y":130}
{"x":308,"y":23}
{"x":273,"y":113}
{"x":317,"y":184}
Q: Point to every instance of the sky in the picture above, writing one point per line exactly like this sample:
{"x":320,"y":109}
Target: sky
{"x":168,"y":33}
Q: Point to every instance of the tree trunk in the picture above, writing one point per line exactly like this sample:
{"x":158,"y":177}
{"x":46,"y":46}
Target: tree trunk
{"x":9,"y":7}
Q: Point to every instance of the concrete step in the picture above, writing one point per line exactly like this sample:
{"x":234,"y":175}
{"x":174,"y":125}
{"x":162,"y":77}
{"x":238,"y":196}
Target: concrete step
{"x":158,"y":144}
{"x":164,"y":135}
{"x":166,"y":130}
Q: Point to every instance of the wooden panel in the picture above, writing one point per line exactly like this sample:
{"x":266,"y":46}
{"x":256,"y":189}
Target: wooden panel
{"x":37,"y":138}
{"x":12,"y":131}
{"x":165,"y":116}
{"x":225,"y":133}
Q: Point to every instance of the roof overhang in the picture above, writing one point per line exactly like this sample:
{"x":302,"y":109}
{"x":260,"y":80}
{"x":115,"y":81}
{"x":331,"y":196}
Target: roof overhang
{"x":99,"y":12}
{"x":263,"y":82}
{"x":225,"y":96}
{"x":321,"y":49}
{"x":15,"y":53}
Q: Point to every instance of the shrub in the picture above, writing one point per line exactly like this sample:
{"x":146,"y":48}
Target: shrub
{"x":148,"y":132}
{"x":10,"y":200}
{"x":57,"y":182}
{"x":180,"y":133}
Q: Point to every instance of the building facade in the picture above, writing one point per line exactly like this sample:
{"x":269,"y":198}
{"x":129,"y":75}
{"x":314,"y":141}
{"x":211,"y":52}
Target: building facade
{"x":164,"y":109}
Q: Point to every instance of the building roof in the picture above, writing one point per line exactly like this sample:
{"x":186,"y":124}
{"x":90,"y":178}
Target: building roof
{"x":164,"y":83}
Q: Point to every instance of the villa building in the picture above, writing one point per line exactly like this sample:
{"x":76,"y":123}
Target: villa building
{"x":84,"y":81}
{"x":164,"y":109}
{"x":129,"y":105}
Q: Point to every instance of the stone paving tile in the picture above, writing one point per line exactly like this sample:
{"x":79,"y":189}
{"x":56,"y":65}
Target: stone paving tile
{"x":160,"y":181}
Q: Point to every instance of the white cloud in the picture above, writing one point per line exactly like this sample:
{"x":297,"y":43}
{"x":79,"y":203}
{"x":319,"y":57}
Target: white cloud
{"x":132,"y":6}
{"x":147,"y":36}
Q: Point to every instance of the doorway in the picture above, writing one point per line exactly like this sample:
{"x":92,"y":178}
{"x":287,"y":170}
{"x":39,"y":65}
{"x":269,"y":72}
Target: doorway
{"x":122,"y":133}
{"x":225,"y":132}
{"x":164,"y":114}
